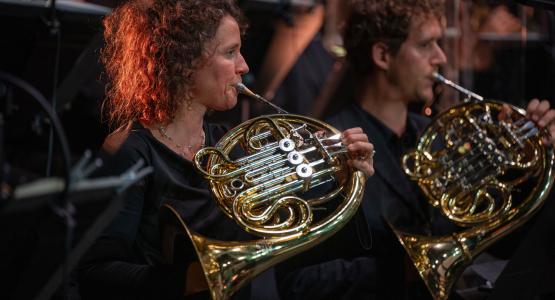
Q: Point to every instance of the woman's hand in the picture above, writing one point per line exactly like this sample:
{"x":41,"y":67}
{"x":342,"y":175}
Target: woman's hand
{"x":360,"y":149}
{"x":540,"y":112}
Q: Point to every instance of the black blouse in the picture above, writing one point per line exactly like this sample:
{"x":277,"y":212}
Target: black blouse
{"x":126,"y":261}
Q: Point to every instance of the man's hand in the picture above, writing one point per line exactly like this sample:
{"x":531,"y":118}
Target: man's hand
{"x":360,"y":149}
{"x":541,"y":113}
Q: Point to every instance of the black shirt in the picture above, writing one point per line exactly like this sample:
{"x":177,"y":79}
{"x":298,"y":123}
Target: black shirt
{"x":126,"y":261}
{"x":399,"y":146}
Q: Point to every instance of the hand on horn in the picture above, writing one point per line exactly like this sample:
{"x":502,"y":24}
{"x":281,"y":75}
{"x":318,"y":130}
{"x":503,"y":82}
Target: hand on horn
{"x":360,"y":148}
{"x":541,"y":113}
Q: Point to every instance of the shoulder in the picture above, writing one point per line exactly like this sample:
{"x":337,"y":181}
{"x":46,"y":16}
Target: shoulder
{"x":214,"y":132}
{"x":135,"y":138}
{"x":123,"y":148}
{"x":419,"y":121}
{"x":344,"y":118}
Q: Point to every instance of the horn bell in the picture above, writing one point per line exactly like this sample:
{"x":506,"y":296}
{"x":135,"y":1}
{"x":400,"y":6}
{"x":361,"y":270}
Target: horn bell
{"x":488,"y":172}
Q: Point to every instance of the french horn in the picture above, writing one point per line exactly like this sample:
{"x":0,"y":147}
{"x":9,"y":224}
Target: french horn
{"x":487,"y":171}
{"x":292,"y":165}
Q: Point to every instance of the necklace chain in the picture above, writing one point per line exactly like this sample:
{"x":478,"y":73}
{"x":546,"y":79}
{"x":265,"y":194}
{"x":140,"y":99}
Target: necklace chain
{"x":181,"y":148}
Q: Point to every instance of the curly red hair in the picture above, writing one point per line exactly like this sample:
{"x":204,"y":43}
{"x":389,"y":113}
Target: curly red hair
{"x":388,"y":21}
{"x":152,"y":48}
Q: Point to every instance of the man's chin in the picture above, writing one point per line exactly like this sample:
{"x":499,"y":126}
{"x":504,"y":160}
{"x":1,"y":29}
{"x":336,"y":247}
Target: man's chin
{"x":426,"y":97}
{"x":420,"y":100}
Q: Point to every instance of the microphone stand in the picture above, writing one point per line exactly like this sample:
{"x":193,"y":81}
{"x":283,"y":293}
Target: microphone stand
{"x":52,"y":20}
{"x":65,"y":208}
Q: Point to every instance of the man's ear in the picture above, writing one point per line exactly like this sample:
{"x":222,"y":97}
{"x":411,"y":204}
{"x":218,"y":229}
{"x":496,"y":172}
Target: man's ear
{"x":381,"y":55}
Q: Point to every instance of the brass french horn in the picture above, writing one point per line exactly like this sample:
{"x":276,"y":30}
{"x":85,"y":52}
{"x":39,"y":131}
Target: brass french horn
{"x":487,"y":174}
{"x":271,"y":192}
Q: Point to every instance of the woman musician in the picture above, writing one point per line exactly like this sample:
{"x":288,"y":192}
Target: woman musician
{"x":168,"y":62}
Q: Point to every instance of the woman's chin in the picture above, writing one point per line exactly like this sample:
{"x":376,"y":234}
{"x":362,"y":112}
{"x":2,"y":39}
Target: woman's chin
{"x":230,"y":104}
{"x":225,"y":106}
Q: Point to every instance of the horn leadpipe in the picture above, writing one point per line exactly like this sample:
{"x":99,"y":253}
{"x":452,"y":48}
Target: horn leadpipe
{"x":457,"y":87}
{"x":241,"y":88}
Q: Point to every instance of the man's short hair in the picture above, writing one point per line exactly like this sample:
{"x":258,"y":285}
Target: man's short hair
{"x":387,"y":21}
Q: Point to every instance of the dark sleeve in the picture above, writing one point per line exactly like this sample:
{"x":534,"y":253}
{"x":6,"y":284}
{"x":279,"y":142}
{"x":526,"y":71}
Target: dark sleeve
{"x":110,"y":269}
{"x":108,"y":272}
{"x":333,"y":269}
{"x":335,"y":279}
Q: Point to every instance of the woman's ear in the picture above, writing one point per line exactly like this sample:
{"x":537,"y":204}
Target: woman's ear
{"x":381,"y":55}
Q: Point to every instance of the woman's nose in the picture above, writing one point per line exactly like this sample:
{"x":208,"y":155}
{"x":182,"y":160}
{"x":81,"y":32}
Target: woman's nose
{"x":242,"y":67}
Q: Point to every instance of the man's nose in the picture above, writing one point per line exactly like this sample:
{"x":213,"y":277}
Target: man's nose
{"x":439,"y":57}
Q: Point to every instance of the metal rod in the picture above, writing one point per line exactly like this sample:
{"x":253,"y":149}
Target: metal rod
{"x":457,"y":87}
{"x":241,"y":88}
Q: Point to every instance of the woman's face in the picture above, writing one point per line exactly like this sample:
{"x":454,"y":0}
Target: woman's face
{"x":221,"y":68}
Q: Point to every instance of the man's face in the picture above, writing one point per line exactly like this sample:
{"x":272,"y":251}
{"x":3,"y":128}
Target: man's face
{"x":412,"y":67}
